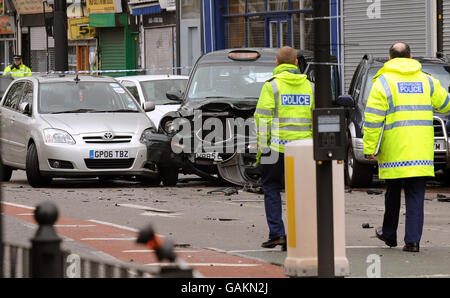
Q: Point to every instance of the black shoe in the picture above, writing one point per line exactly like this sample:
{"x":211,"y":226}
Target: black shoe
{"x":271,"y":243}
{"x":411,"y":247}
{"x":379,"y":234}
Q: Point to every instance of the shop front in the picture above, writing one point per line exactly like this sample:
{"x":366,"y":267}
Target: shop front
{"x":117,"y":37}
{"x":158,"y":35}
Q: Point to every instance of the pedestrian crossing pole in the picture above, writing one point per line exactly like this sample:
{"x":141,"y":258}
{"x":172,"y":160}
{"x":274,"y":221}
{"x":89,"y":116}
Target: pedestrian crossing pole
{"x":325,"y":223}
{"x":60,"y":35}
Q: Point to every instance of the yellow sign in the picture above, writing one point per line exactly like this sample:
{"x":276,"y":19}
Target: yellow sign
{"x":79,"y":29}
{"x":104,"y":6}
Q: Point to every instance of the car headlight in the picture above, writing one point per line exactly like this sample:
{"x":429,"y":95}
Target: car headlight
{"x":57,"y":136}
{"x":170,"y":127}
{"x":145,"y":134}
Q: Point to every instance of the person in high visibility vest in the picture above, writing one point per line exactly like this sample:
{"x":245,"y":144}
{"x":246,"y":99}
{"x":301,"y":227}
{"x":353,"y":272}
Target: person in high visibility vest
{"x":283,"y":114}
{"x":17,"y":69}
{"x":399,"y":115}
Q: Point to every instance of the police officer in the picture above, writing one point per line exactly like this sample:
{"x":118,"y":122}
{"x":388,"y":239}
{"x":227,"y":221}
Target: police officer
{"x":17,"y":69}
{"x":400,"y":111}
{"x":283,"y":114}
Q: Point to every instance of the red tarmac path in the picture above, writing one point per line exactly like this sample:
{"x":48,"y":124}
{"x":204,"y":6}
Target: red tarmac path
{"x":119,"y":242}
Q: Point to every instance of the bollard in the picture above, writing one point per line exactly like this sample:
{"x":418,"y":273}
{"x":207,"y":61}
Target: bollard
{"x":46,"y":257}
{"x":301,"y":197}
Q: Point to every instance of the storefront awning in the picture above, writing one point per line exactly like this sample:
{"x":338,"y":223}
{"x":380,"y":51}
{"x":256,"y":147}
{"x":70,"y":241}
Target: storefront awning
{"x":146,"y":10}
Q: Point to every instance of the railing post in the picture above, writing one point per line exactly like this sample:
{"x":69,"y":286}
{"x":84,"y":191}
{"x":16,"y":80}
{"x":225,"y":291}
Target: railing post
{"x":46,"y":256}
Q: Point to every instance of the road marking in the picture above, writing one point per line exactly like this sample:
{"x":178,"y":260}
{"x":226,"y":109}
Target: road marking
{"x":151,"y":250}
{"x":255,"y":250}
{"x":145,"y":208}
{"x":25,"y":214}
{"x":74,"y":226}
{"x":113,"y":225}
{"x":109,"y":239}
{"x":18,"y":205}
{"x":152,"y":213}
{"x":206,"y":265}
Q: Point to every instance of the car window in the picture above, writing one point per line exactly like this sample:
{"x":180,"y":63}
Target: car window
{"x":131,"y":86}
{"x":235,"y":81}
{"x":27,"y":94}
{"x":13,"y":96}
{"x":356,"y":76}
{"x":155,"y":90}
{"x":87,"y":97}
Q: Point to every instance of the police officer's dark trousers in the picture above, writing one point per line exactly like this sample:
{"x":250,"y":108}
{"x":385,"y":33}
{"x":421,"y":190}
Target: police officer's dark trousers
{"x":414,"y":198}
{"x":272,"y":184}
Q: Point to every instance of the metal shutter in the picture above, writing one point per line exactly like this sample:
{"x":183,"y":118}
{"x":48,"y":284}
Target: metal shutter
{"x":401,"y":20}
{"x":159,"y":50}
{"x":112,"y":50}
{"x":446,"y":36}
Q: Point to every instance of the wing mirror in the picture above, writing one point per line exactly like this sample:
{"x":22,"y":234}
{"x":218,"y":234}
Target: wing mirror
{"x":174,"y":95}
{"x":345,"y":101}
{"x":24,"y":108}
{"x":148,"y":106}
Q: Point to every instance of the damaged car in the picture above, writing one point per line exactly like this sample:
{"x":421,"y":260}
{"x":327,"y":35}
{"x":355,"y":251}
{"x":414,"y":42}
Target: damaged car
{"x":213,"y":134}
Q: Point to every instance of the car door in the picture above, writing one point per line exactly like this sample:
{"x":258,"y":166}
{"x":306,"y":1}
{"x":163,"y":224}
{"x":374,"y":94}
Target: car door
{"x":9,"y":113}
{"x":22,"y":124}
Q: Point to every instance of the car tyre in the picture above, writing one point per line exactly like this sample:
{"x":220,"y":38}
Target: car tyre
{"x":357,"y":174}
{"x":169,"y":176}
{"x":150,"y":181}
{"x":6,"y":172}
{"x":34,"y":177}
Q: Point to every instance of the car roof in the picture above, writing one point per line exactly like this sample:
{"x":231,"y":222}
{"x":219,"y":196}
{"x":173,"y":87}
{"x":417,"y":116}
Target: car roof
{"x":153,"y":77}
{"x":268,"y":55}
{"x":70,"y":78}
{"x":376,"y":61}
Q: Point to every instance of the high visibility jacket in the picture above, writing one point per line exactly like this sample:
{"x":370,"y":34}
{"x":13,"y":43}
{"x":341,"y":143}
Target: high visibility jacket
{"x":23,"y":71}
{"x":400,"y":111}
{"x":284,"y":110}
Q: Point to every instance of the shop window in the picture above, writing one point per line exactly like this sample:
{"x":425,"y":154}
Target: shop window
{"x":236,"y":33}
{"x":278,"y":5}
{"x":256,"y":6}
{"x":257,"y":31}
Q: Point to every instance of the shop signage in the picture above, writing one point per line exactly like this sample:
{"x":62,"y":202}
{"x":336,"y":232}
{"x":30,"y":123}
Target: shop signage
{"x":104,"y":6}
{"x":79,"y":29}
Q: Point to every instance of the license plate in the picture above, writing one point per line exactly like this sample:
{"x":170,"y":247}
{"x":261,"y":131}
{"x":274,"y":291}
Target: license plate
{"x":209,"y":155}
{"x":439,"y":145}
{"x":108,"y":154}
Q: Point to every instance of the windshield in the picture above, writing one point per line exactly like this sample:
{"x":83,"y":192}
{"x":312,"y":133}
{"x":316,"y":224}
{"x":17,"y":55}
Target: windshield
{"x":155,"y":91}
{"x":235,"y":81}
{"x":84,"y":97}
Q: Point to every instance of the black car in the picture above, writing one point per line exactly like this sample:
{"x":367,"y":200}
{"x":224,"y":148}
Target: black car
{"x":213,"y":134}
{"x":359,"y":170}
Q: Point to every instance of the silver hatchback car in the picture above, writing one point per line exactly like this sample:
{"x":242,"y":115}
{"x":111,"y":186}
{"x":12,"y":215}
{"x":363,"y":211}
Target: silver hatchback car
{"x":74,"y":126}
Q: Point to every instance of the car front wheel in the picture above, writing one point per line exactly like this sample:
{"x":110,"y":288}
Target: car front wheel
{"x":34,"y":176}
{"x":169,"y":176}
{"x":357,"y":174}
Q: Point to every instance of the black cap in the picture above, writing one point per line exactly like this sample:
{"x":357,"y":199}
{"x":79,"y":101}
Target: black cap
{"x":17,"y":57}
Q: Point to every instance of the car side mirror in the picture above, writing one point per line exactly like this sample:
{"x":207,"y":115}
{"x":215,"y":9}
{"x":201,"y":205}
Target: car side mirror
{"x":148,"y":106}
{"x":345,"y":101}
{"x":174,"y":95}
{"x":24,"y":108}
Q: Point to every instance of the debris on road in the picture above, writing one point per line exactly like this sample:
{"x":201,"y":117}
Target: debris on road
{"x":367,"y":226}
{"x":374,"y":192}
{"x":228,"y":191}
